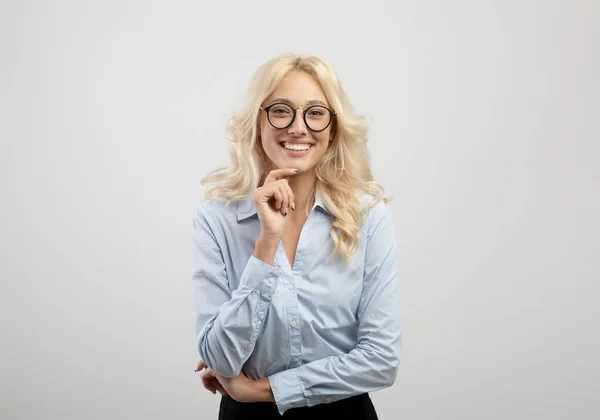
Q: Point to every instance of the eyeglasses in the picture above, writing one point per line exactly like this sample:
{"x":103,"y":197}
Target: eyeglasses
{"x":281,"y":115}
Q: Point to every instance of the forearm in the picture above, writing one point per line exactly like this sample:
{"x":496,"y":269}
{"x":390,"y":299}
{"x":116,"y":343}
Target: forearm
{"x":265,"y":248}
{"x":226,"y":340}
{"x":333,"y":378}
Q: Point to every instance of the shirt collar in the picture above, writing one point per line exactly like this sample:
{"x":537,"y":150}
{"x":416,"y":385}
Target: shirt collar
{"x":247,"y":209}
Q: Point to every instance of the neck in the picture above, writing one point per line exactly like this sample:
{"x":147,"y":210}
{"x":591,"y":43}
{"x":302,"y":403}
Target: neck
{"x":303,"y":186}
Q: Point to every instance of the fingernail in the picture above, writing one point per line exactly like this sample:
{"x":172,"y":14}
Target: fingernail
{"x":286,"y":212}
{"x":294,"y":206}
{"x":296,"y":170}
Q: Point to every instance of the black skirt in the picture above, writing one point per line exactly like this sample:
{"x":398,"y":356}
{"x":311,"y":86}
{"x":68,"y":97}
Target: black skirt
{"x":359,"y":407}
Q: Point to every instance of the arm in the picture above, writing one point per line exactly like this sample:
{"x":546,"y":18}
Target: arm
{"x":227,"y":323}
{"x":373,"y":364}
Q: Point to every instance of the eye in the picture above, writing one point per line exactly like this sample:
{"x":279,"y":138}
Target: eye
{"x":316,"y":112}
{"x":280,"y":110}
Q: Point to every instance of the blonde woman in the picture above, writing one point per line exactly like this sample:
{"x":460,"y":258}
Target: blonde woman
{"x":294,"y":256}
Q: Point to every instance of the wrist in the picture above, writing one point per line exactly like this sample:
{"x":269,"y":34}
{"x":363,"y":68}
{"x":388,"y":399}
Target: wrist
{"x":262,"y":391}
{"x":265,"y":248}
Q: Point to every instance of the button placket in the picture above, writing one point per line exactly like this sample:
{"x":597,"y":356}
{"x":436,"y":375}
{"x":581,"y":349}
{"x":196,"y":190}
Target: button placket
{"x":293,"y":316}
{"x":290,"y":275}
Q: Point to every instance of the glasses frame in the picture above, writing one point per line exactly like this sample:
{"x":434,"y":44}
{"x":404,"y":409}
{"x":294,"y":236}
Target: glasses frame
{"x":332,"y":114}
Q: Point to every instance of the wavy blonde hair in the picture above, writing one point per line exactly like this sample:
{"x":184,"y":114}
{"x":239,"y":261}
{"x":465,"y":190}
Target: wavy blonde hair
{"x":344,"y":172}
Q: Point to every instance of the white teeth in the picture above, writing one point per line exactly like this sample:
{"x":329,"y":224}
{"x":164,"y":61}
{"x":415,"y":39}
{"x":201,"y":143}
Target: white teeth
{"x":297,"y":146}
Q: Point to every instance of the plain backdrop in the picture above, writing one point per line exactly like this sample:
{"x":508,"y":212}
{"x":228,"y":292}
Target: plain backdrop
{"x":484,"y":128}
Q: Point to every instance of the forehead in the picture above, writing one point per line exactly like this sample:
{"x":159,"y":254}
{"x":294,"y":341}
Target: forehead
{"x":299,"y":88}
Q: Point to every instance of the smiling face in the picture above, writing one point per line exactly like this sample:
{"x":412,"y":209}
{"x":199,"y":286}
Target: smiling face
{"x":295,"y":146}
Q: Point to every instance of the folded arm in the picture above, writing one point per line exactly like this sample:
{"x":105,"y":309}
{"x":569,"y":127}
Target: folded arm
{"x":373,"y":363}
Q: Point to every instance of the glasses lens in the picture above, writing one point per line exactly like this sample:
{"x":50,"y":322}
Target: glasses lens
{"x":280,"y":115}
{"x":317,"y":117}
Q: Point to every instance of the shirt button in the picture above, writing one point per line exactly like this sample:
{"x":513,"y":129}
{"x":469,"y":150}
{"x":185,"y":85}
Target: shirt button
{"x":293,"y":324}
{"x":270,"y":281}
{"x":296,"y":359}
{"x":291,"y":286}
{"x":261,"y":314}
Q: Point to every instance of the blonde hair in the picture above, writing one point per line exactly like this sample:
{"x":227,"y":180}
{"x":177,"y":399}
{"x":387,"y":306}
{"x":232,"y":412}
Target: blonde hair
{"x":343,"y":174}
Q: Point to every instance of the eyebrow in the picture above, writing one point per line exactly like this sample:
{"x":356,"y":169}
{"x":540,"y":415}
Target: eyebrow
{"x":287,"y":101}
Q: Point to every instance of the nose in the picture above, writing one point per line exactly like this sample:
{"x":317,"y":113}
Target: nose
{"x":298,"y":126}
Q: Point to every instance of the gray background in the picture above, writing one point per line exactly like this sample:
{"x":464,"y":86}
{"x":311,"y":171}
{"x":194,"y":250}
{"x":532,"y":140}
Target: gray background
{"x":484,"y":129}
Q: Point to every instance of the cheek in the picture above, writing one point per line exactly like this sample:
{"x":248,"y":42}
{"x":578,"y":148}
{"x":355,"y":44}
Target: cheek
{"x":323,"y":138}
{"x":263,"y":130}
{"x":268,"y":137}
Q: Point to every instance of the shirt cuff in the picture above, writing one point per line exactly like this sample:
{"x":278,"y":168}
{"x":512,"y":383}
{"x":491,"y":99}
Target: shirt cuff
{"x":287,"y":390}
{"x":260,"y":276}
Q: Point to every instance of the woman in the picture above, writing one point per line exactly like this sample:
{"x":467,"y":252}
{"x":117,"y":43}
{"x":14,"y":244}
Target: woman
{"x":294,"y":256}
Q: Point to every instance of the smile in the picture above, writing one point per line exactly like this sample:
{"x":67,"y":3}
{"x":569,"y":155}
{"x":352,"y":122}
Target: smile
{"x":296,"y":147}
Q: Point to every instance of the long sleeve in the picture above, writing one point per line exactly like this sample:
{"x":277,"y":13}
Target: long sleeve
{"x":373,"y":363}
{"x":227,"y":322}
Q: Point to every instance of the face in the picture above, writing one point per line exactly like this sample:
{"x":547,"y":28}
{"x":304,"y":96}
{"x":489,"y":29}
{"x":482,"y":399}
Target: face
{"x":296,"y":146}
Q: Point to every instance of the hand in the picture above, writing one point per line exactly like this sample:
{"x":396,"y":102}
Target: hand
{"x":209,"y":379}
{"x":239,"y":388}
{"x":272,"y":202}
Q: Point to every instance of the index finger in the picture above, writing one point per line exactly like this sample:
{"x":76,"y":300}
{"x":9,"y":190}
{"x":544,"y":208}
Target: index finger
{"x":201,"y":365}
{"x":276,"y":174}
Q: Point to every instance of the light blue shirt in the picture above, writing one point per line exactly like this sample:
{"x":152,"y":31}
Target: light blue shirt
{"x":320,"y":331}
